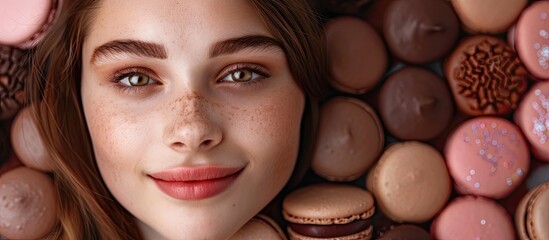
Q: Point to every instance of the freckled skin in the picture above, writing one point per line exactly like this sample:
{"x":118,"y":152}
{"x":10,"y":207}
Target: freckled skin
{"x":189,"y":118}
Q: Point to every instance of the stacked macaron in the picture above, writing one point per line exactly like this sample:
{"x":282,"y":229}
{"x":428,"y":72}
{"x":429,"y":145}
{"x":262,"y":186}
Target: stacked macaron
{"x":28,"y":199}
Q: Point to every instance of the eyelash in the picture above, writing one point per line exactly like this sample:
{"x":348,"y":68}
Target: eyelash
{"x":255,"y":69}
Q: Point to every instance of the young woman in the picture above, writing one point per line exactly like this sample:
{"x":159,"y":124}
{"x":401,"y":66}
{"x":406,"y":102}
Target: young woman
{"x":176,"y":119}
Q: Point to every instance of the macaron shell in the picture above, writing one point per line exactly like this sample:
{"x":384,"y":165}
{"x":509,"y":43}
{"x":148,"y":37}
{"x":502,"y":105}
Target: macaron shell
{"x":485,"y":75}
{"x":520,"y":215}
{"x":14,"y":68}
{"x":538,"y":214}
{"x":357,"y":58}
{"x":487,"y":156}
{"x":363,"y":235}
{"x":532,"y":116}
{"x":350,"y":139}
{"x":488,"y":16}
{"x":405,"y":232}
{"x":411,"y":182}
{"x":471,"y":217}
{"x":21,"y":20}
{"x":328,"y":203}
{"x":260,"y":227}
{"x":532,"y":39}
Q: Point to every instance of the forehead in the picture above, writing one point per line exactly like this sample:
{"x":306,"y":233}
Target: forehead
{"x":172,"y":21}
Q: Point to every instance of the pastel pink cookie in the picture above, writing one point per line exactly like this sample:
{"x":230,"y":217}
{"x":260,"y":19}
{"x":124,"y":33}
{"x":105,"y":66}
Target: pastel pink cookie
{"x":532,"y":116}
{"x":532,"y":39}
{"x":487,"y":156}
{"x":474,"y":218}
{"x":23,"y":23}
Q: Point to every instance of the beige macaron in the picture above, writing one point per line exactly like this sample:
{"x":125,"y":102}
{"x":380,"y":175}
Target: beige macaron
{"x":532,"y":214}
{"x":260,"y":227}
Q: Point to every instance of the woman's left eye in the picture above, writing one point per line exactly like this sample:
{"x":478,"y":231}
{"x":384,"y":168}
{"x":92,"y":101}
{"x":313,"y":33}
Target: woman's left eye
{"x":136,"y":79}
{"x":243,"y":75}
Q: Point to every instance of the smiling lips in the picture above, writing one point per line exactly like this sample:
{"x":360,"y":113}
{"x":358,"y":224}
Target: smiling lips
{"x":195,"y":183}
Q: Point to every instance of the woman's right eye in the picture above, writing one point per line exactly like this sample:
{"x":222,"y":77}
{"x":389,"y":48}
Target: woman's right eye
{"x":136,"y":80}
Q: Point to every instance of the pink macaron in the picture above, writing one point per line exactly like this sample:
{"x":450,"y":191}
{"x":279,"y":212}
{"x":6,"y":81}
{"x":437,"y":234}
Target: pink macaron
{"x":487,"y":156}
{"x":532,"y":39}
{"x":475,"y":218}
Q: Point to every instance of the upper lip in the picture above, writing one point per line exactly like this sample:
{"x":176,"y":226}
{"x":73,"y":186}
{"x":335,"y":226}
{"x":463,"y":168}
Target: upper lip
{"x":188,"y":174}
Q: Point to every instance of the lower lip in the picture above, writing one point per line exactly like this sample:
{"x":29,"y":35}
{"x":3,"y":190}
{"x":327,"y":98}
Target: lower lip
{"x":196,"y":190}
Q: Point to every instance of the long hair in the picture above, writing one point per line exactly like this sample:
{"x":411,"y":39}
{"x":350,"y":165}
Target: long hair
{"x":87,"y":209}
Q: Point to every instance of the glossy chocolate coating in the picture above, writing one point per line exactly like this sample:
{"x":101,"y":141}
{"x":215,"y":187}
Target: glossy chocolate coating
{"x":420,"y":31}
{"x":14,"y":64}
{"x":415,"y":104}
{"x":333,"y":230}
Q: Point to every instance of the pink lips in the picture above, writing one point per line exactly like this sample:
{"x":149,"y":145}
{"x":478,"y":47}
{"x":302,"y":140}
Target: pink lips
{"x":195,"y":183}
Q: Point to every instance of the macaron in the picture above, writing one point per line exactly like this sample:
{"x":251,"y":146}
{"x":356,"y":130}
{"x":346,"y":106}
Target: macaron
{"x":344,"y":7}
{"x":329,"y":211}
{"x":470,"y":217}
{"x":410,"y":182}
{"x":23,"y":24}
{"x":532,"y":116}
{"x":14,"y":67}
{"x":487,"y":156}
{"x":532,"y":215}
{"x":532,"y":39}
{"x":405,"y":232}
{"x":28,"y":204}
{"x":420,"y":31}
{"x":488,"y":16}
{"x":350,"y":139}
{"x":27,"y":142}
{"x":260,"y":227}
{"x":357,"y":58}
{"x":415,"y":104}
{"x":486,"y":76}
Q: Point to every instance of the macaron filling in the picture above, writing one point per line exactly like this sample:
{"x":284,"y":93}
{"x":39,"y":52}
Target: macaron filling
{"x":333,"y":230}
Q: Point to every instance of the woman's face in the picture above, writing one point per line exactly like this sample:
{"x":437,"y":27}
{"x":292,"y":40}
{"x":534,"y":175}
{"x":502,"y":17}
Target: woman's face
{"x":193,"y":113}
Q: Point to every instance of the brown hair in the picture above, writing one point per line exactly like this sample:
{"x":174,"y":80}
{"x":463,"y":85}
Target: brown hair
{"x":87,"y":209}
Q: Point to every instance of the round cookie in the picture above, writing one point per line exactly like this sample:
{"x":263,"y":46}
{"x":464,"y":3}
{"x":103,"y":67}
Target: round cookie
{"x":487,"y":156}
{"x":410,"y":182}
{"x":405,"y":232}
{"x":24,"y":23}
{"x":486,"y":76}
{"x":420,"y":31}
{"x":471,"y":217}
{"x":532,"y":116}
{"x":532,"y":39}
{"x":488,"y":16}
{"x":357,"y":58}
{"x":14,"y":67}
{"x":27,"y":142}
{"x":415,"y":104}
{"x":532,"y":215}
{"x":329,"y":211}
{"x":346,"y":7}
{"x":28,"y":204}
{"x":260,"y":227}
{"x":350,"y":139}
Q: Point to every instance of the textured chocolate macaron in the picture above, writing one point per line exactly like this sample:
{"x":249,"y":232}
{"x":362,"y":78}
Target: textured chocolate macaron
{"x":487,"y":156}
{"x":260,"y":227}
{"x":532,"y":215}
{"x":405,"y":232}
{"x":410,"y":182}
{"x":27,"y":142}
{"x":28,"y":204}
{"x":14,"y":66}
{"x":532,"y":39}
{"x":415,"y":104}
{"x":488,"y":16}
{"x":350,"y":139}
{"x":471,"y":217}
{"x":486,"y":76}
{"x":357,"y":58}
{"x":329,"y":211}
{"x":420,"y":31}
{"x":532,"y":116}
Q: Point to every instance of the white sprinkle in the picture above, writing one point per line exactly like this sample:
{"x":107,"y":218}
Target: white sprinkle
{"x":482,"y":152}
{"x":509,"y":181}
{"x":483,"y":221}
{"x":543,"y":15}
{"x":494,"y":125}
{"x":468,"y":178}
{"x":472,"y":172}
{"x":519,"y":171}
{"x":477,"y":185}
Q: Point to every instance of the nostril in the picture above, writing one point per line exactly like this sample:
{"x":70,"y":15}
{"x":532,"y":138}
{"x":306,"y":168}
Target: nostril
{"x":207,"y":142}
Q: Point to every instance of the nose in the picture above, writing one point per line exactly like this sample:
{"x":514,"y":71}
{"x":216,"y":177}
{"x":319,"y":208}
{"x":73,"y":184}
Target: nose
{"x":192,"y":127}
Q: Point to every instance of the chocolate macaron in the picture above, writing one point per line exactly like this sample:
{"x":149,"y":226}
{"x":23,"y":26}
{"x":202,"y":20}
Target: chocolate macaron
{"x":488,"y":16}
{"x":532,"y":39}
{"x":350,"y":139}
{"x":357,"y":58}
{"x":405,"y":232}
{"x":420,"y":31}
{"x":532,"y":215}
{"x":415,"y":104}
{"x":486,"y":76}
{"x":14,"y":66}
{"x":410,"y":182}
{"x":329,"y":211}
{"x":260,"y":227}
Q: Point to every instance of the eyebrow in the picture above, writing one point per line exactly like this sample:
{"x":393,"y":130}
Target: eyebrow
{"x":134,"y":47}
{"x":233,"y":45}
